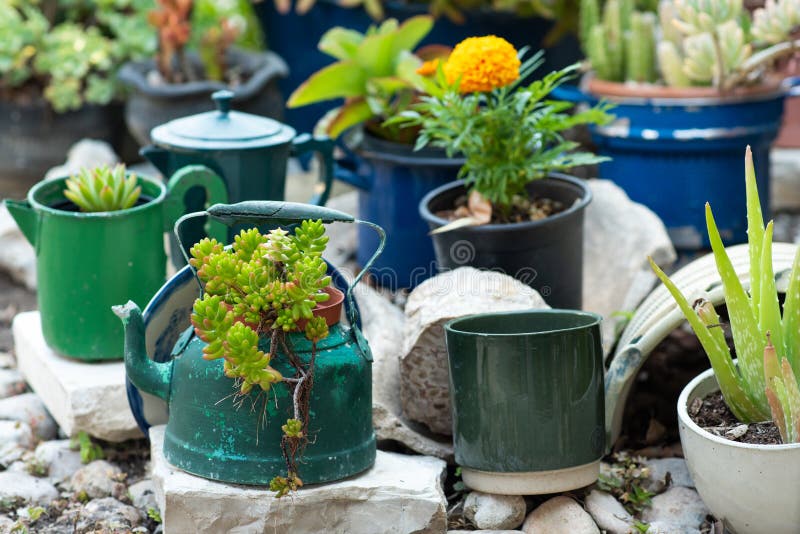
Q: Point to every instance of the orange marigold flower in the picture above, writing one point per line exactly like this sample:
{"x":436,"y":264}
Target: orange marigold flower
{"x":482,"y":64}
{"x":428,"y":68}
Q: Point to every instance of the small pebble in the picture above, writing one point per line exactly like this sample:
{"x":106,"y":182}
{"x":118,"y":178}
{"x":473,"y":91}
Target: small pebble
{"x":677,"y":506}
{"x":97,"y":479}
{"x":559,"y":515}
{"x":737,"y":432}
{"x":608,"y":513}
{"x":29,"y":409}
{"x":494,"y":512}
{"x":16,"y":486}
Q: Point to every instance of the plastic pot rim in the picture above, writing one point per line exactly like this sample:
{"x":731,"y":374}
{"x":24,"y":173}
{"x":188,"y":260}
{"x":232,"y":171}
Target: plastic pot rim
{"x":584,"y":201}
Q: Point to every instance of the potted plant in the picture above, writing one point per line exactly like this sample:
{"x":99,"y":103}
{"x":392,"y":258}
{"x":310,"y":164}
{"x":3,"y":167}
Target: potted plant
{"x":692,"y":84}
{"x":292,"y":30}
{"x":377,"y":75}
{"x":99,"y":238}
{"x":179,"y":81}
{"x":511,"y":211}
{"x":58,"y":65}
{"x":749,"y":478}
{"x":267,"y":386}
{"x":534,"y":424}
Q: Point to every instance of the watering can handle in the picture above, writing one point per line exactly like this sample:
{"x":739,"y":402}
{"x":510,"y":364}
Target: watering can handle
{"x":282,"y":213}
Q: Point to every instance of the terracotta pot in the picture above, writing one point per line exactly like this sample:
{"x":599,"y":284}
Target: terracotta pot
{"x":330,"y":310}
{"x":646,"y":90}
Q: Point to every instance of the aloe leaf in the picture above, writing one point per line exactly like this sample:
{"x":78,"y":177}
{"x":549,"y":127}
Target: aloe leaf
{"x":791,"y":317}
{"x":747,"y":339}
{"x":771,"y":367}
{"x":776,"y":409}
{"x":730,"y":383}
{"x":793,"y":401}
{"x":340,"y":80}
{"x":375,"y":54}
{"x":755,"y":226}
{"x":769,"y":309}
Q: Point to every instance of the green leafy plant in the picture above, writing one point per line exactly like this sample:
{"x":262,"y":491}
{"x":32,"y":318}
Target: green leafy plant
{"x":759,"y":386}
{"x":509,"y":136}
{"x":264,"y":286}
{"x":625,"y":479}
{"x":103,"y":189}
{"x":376,"y":74}
{"x":699,"y":42}
{"x":154,"y":514}
{"x":69,"y":51}
{"x":90,"y":451}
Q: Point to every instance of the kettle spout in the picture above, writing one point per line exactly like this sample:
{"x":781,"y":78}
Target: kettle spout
{"x":147,"y":375}
{"x":25,"y":217}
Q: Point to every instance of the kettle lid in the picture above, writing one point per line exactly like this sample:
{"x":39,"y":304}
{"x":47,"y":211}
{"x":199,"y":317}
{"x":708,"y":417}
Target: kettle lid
{"x":222,"y":129}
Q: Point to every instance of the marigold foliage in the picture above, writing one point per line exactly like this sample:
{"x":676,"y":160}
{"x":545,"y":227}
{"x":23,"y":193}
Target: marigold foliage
{"x":481,"y":64}
{"x":261,"y":284}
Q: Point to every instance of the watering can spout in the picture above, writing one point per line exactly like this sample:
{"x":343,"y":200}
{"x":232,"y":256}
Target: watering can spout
{"x":147,"y":375}
{"x":25,"y":217}
{"x":159,"y":157}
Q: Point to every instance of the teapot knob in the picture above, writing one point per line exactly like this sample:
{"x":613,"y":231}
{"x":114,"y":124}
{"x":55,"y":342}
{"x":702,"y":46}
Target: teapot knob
{"x":223,"y":101}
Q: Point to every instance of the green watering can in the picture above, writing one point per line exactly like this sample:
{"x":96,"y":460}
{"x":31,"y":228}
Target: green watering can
{"x":210,"y":435}
{"x":86,"y":262}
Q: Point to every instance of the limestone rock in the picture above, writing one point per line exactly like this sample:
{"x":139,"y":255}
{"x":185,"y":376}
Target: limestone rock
{"x":143,"y":494}
{"x":29,"y":490}
{"x":559,"y":515}
{"x":29,"y":409}
{"x":678,"y":506}
{"x":108,"y":515}
{"x":399,"y":493}
{"x":16,"y":433}
{"x":608,"y":513}
{"x":382,"y":324}
{"x":424,"y":374}
{"x":17,"y":256}
{"x":11,"y":383}
{"x":97,"y":479}
{"x":7,"y":361}
{"x":494,"y":512}
{"x":59,"y":459}
{"x":659,"y":527}
{"x":620,"y":234}
{"x":484,"y":532}
{"x":81,"y":396}
{"x":659,"y":467}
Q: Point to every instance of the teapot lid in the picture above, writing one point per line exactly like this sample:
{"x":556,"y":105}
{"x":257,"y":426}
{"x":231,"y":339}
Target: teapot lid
{"x":222,"y":129}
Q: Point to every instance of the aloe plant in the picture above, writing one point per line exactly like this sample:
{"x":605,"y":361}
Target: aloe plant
{"x":760,"y":386}
{"x":376,"y":72}
{"x":103,"y":189}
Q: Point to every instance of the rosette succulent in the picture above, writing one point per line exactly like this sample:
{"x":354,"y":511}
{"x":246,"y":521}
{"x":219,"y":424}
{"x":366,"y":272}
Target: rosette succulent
{"x":103,"y":189}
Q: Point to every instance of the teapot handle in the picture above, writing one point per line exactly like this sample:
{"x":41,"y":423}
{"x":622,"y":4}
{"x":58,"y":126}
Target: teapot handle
{"x":258,"y":212}
{"x":324,"y":147}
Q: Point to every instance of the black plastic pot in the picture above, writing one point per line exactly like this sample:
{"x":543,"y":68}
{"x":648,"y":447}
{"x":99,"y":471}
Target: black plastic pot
{"x":150,"y":105}
{"x":36,"y":138}
{"x":547,"y":254}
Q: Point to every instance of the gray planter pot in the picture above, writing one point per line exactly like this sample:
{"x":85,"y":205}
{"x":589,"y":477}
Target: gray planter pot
{"x":150,"y":105}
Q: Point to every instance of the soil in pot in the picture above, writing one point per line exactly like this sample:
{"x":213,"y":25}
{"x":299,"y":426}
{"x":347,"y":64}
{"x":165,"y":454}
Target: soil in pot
{"x":713,"y":415}
{"x":522,"y":210}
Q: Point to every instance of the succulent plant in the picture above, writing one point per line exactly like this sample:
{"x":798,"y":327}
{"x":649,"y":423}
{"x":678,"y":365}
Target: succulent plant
{"x":759,"y":386}
{"x":68,"y":51}
{"x":376,"y":73}
{"x":261,"y":288}
{"x":621,"y":46}
{"x":103,"y":189}
{"x":700,"y":42}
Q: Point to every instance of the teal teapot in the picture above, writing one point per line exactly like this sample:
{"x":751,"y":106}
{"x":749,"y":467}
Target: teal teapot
{"x":248,"y":151}
{"x":210,"y":435}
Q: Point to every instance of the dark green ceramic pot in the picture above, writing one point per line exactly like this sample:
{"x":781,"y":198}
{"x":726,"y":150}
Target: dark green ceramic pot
{"x":527,"y":396}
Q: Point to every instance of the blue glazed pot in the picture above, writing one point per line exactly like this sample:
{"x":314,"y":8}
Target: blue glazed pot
{"x":392,"y":179}
{"x":675,"y":154}
{"x":295,"y":37}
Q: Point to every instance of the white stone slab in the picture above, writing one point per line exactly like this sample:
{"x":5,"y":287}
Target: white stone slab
{"x":79,"y":395}
{"x":401,"y":494}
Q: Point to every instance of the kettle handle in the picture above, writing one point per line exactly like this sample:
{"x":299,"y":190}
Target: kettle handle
{"x":324,"y":147}
{"x":281,"y":213}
